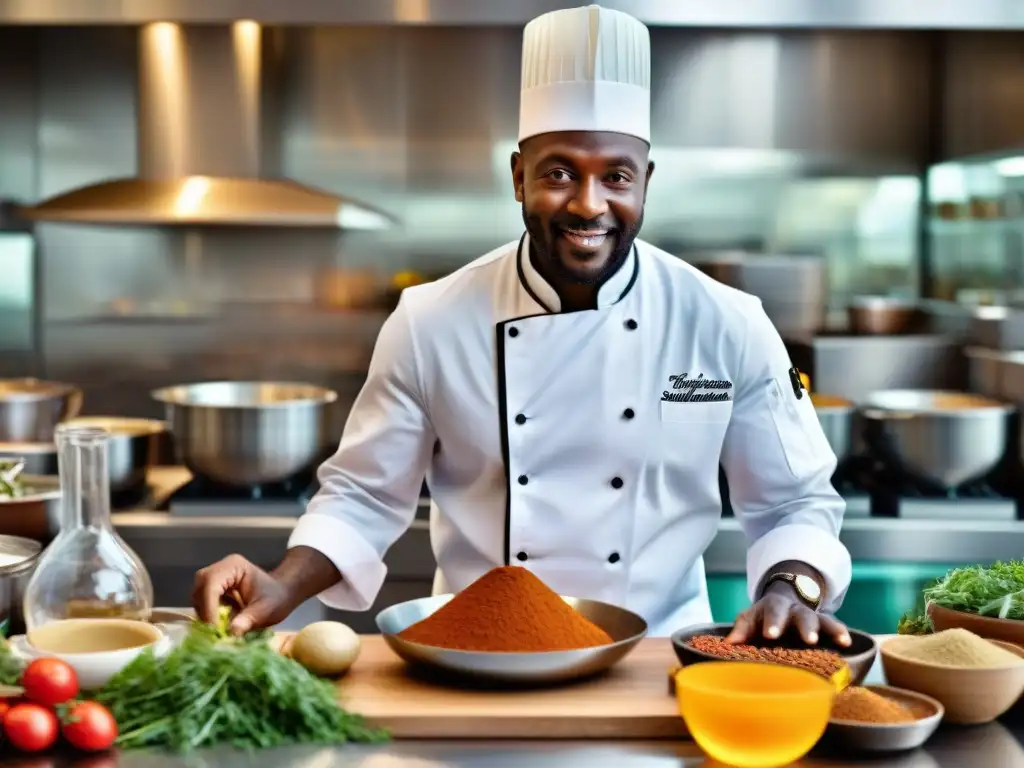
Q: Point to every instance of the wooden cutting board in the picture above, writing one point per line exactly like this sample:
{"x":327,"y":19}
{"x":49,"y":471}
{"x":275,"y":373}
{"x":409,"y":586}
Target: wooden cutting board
{"x":631,"y":701}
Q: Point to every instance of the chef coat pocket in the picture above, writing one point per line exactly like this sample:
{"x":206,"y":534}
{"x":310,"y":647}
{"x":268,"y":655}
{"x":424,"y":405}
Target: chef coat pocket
{"x":799,"y":432}
{"x":696,"y":413}
{"x":692,"y":435}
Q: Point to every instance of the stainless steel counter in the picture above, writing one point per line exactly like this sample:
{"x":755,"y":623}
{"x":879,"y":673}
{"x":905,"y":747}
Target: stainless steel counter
{"x":997,"y":744}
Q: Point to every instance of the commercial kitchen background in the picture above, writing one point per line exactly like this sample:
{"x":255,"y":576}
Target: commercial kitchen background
{"x":882,"y":142}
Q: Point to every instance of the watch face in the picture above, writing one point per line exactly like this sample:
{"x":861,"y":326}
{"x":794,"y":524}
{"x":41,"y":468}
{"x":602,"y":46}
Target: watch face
{"x":807,"y":587}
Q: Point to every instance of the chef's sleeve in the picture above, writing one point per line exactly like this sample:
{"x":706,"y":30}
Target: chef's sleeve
{"x":370,"y":488}
{"x":779,"y":467}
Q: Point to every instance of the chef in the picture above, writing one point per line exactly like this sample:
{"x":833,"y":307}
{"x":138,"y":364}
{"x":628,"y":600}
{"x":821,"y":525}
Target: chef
{"x":570,"y":396}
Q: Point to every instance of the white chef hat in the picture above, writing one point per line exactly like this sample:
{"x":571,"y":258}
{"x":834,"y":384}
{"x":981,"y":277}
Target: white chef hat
{"x":586,"y":69}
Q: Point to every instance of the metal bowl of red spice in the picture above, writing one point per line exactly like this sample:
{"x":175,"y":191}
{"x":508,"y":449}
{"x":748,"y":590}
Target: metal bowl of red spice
{"x":880,"y":718}
{"x":707,"y":643}
{"x":509,"y":627}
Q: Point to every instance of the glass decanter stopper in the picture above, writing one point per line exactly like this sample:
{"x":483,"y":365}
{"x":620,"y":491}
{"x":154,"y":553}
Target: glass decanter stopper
{"x":88,"y":571}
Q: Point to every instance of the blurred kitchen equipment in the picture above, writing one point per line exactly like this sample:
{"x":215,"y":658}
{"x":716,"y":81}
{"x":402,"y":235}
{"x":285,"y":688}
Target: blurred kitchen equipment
{"x":348,"y":289}
{"x":999,"y":328}
{"x":18,"y":558}
{"x":836,"y":417}
{"x":793,"y":289}
{"x":39,"y":458}
{"x":986,"y":371}
{"x":37,"y":514}
{"x":131,"y":450}
{"x":881,"y":315}
{"x":946,"y":438}
{"x":30,"y":409}
{"x":246,"y":433}
{"x":190,"y":174}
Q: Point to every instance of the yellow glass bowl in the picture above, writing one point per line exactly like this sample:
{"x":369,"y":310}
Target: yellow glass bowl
{"x":751,"y":714}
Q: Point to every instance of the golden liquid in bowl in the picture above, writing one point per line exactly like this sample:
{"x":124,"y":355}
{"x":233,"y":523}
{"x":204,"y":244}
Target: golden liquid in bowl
{"x":829,"y":401}
{"x":74,"y":636}
{"x":753,"y":715}
{"x":958,"y":401}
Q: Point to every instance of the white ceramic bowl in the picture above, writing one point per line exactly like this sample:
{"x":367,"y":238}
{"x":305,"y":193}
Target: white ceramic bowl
{"x":95,"y":669}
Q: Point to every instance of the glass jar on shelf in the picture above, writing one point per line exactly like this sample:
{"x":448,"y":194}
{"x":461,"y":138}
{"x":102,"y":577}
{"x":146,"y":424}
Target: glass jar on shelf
{"x":88,"y":571}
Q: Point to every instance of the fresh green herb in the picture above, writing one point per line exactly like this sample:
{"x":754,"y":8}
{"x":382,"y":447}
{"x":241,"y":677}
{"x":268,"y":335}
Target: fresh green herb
{"x":915,"y":624}
{"x":11,"y":486}
{"x":996,"y":590}
{"x":11,"y":666}
{"x":218,"y":689}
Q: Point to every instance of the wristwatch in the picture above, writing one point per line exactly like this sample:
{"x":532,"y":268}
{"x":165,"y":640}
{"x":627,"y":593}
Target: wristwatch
{"x":806,"y":588}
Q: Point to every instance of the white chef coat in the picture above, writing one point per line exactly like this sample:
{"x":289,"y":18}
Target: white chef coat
{"x":582,"y":445}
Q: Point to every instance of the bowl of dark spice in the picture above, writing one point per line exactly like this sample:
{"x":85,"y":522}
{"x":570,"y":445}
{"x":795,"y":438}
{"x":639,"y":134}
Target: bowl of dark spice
{"x":707,"y":643}
{"x":880,"y":718}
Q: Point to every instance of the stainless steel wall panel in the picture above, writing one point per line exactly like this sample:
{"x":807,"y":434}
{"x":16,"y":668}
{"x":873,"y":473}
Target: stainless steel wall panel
{"x":983,"y":105}
{"x":810,"y":14}
{"x":837,"y":94}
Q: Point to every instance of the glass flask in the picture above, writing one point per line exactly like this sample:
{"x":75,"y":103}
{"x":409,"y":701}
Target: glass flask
{"x":88,"y":571}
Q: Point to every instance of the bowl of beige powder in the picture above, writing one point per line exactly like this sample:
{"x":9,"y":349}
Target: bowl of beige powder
{"x":975,"y":679}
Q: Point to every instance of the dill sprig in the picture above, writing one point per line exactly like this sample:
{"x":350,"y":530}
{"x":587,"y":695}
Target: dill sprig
{"x":216,"y":689}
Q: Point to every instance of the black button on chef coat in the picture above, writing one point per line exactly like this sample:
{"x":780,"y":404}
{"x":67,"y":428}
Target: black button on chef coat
{"x":520,"y":419}
{"x":521,"y":557}
{"x":628,"y":413}
{"x":513,"y":332}
{"x":523,"y":479}
{"x":616,"y":483}
{"x":614,"y":558}
{"x":631,"y":325}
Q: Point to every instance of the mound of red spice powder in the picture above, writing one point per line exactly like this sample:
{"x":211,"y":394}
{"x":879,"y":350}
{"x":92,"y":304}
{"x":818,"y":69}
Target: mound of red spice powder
{"x":510,"y":610}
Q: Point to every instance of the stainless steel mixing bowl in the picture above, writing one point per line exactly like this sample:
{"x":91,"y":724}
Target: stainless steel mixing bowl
{"x":131,"y":449}
{"x":625,"y":628}
{"x":836,"y":418}
{"x":31,"y":409}
{"x":947,"y":438}
{"x":245,"y":433}
{"x":38,"y":514}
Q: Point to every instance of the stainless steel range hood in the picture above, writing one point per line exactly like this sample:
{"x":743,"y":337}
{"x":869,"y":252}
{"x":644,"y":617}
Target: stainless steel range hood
{"x":205,"y":150}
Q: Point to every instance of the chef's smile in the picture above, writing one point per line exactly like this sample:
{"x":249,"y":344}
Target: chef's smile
{"x":585,"y":242}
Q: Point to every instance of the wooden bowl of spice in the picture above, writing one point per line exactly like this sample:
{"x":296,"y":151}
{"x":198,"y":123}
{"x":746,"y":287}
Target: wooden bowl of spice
{"x":707,"y":643}
{"x":511,"y":628}
{"x":976,"y":680}
{"x":880,"y":718}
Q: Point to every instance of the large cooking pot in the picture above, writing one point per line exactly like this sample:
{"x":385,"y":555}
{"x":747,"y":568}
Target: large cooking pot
{"x":946,"y":438}
{"x":37,"y":514}
{"x":18,"y":559}
{"x":244,"y":433}
{"x":31,"y":409}
{"x":835,"y":415}
{"x":131,"y":448}
{"x":881,"y":315}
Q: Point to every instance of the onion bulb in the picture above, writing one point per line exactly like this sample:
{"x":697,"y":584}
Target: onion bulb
{"x":325,"y":648}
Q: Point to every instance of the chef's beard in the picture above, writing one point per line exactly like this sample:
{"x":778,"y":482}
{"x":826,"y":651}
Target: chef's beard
{"x":543,"y":242}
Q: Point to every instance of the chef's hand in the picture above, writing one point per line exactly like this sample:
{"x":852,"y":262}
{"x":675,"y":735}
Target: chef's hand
{"x":265,"y":601}
{"x":778,"y":609}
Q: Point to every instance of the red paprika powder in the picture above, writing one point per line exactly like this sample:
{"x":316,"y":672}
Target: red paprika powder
{"x":510,"y":610}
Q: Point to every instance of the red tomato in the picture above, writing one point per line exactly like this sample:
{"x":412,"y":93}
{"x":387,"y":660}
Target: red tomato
{"x":90,"y":727}
{"x":30,"y":727}
{"x":49,"y":682}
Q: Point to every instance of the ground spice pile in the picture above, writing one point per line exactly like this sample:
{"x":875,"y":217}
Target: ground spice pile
{"x":510,"y":610}
{"x":862,"y":705}
{"x":824,"y":663}
{"x":954,"y":648}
